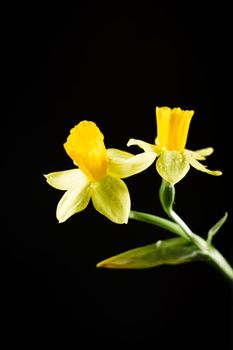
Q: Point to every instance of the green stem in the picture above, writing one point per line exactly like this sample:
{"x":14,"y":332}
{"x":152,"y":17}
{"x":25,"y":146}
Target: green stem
{"x":179,"y":227}
{"x":210,"y":253}
{"x":195,"y":239}
{"x":218,"y":260}
{"x":157,"y":221}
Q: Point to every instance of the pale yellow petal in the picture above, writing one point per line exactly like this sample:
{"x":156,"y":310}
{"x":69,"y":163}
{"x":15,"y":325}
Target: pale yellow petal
{"x":111,"y":198}
{"x":74,"y":200}
{"x":63,"y":180}
{"x":172,"y":166}
{"x":114,"y":153}
{"x":197,"y":165}
{"x":147,"y":147}
{"x":123,"y":164}
{"x":201,"y":154}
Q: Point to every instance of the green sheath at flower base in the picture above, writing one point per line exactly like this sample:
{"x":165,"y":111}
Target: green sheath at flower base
{"x":167,"y":196}
{"x":97,"y":176}
{"x":174,"y":159}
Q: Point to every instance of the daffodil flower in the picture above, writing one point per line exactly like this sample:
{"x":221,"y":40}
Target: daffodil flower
{"x":97,"y":175}
{"x":174,"y":159}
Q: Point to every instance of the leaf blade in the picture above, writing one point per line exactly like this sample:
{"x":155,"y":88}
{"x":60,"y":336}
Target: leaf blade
{"x":215,"y":228}
{"x":168,"y":252}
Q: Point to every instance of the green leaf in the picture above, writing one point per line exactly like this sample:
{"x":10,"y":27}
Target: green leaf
{"x":171,"y":252}
{"x":214,"y":229}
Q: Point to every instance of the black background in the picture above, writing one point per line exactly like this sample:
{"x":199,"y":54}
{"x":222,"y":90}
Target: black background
{"x":111,"y":62}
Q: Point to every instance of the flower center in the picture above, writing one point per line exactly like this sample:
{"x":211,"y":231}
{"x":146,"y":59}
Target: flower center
{"x":85,"y":146}
{"x":172,"y":128}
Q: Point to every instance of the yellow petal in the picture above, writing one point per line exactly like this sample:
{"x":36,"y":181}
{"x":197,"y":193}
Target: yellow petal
{"x":172,"y":166}
{"x":111,"y":198}
{"x":117,"y":154}
{"x":202,"y":153}
{"x":123,"y":164}
{"x":63,"y":180}
{"x":147,"y":147}
{"x":199,"y":154}
{"x":74,"y":200}
{"x":197,"y":165}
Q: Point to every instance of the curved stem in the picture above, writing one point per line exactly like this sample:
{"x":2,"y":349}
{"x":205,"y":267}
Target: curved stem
{"x":157,"y":221}
{"x":208,"y":252}
{"x":195,"y":239}
{"x":212,"y":255}
{"x":218,"y":260}
{"x":179,"y":227}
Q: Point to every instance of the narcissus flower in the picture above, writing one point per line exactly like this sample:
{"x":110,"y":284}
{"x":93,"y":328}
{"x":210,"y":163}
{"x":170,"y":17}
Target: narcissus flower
{"x":174,"y":159}
{"x":97,"y":176}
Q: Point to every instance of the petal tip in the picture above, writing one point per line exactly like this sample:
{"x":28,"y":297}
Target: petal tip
{"x":130,"y":142}
{"x":60,"y":218}
{"x":60,"y":221}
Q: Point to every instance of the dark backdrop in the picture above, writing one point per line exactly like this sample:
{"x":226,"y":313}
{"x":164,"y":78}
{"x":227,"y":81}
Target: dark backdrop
{"x":110,"y":62}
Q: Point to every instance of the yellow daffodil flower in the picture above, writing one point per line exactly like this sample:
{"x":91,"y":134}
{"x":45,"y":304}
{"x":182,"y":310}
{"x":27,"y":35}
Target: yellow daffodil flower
{"x":97,"y":176}
{"x":174,"y":160}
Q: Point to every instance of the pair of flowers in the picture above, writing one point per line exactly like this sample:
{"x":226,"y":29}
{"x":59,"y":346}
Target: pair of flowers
{"x":99,"y":171}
